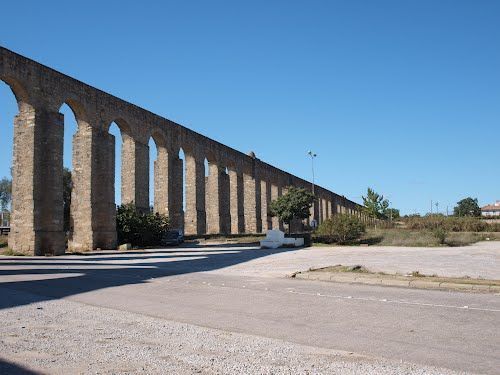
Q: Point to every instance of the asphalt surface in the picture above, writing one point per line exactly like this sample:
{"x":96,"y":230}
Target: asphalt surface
{"x":458,"y":331}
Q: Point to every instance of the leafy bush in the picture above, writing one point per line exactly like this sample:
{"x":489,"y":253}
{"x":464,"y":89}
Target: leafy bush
{"x":440,"y":235}
{"x":139,"y":228}
{"x":341,"y":229}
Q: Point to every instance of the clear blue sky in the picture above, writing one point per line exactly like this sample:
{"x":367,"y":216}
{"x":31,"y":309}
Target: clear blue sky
{"x":402,"y":96}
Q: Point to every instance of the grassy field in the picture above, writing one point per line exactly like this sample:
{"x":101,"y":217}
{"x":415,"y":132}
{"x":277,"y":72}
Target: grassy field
{"x":420,"y":238}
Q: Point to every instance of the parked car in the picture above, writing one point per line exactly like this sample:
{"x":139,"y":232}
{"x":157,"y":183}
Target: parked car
{"x":173,"y":237}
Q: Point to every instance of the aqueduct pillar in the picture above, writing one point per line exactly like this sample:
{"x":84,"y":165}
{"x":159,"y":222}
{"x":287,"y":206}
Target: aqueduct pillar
{"x":213,"y":198}
{"x":195,"y":195}
{"x":37,"y":210}
{"x":93,"y":211}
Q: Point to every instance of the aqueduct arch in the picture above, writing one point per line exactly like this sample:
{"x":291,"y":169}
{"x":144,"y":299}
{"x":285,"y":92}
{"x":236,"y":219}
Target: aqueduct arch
{"x":233,"y":198}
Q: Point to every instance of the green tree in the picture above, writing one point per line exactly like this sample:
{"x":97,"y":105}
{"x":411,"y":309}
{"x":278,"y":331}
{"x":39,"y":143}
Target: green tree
{"x":467,"y":207}
{"x":295,"y":204}
{"x":5,"y":193}
{"x":375,"y":204}
{"x":392,"y":213}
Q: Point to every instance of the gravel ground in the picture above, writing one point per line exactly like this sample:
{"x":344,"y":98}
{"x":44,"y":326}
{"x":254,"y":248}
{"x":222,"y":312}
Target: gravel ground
{"x":65,"y":337}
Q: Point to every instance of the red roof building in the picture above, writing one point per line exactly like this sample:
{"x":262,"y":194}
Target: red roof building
{"x":491,"y":209}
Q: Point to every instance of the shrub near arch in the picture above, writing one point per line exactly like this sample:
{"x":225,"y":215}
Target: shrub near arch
{"x":343,"y":228}
{"x":139,"y":228}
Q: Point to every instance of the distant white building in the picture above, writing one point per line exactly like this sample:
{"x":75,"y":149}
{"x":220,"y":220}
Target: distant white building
{"x":491,"y":210}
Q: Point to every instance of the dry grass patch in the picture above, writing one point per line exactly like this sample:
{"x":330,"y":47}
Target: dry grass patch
{"x":423,"y":238}
{"x":341,"y":268}
{"x":415,"y":275}
{"x":8,"y":252}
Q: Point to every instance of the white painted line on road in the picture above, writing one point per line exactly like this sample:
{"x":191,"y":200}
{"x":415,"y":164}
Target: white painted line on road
{"x":394,"y":301}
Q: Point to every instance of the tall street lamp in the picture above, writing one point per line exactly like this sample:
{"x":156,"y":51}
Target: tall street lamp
{"x":314,"y":223}
{"x":312,"y":155}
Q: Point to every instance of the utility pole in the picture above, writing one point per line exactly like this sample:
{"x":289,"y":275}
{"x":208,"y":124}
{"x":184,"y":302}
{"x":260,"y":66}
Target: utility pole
{"x":431,"y":206}
{"x":437,"y":208}
{"x":389,"y":209}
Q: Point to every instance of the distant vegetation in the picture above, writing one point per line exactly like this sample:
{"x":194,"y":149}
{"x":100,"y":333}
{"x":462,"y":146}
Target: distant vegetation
{"x":467,"y":207}
{"x":449,"y":223}
{"x":430,"y":230}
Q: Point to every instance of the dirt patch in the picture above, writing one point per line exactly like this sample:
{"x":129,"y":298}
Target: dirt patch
{"x":415,"y":279}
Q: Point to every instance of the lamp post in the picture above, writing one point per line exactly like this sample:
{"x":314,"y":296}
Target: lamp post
{"x":312,"y":155}
{"x":314,"y":223}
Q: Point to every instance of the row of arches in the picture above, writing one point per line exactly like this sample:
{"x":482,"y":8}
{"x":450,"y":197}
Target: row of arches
{"x":133,"y":164}
{"x":111,"y":165}
{"x":10,"y":106}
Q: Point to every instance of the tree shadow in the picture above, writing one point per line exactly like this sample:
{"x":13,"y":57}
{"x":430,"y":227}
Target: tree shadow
{"x":91,"y":275}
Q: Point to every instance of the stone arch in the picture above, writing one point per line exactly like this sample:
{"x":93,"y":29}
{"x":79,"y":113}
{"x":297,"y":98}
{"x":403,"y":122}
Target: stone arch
{"x":211,"y":161}
{"x":231,"y":164}
{"x":78,"y":110}
{"x":10,"y":108}
{"x":122,"y":124}
{"x":159,"y":138}
{"x":134,"y":164}
{"x":20,"y":93}
{"x":115,"y":131}
{"x":73,"y":118}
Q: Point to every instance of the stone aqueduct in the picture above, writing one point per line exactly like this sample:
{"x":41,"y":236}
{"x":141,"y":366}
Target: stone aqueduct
{"x":234,"y":198}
